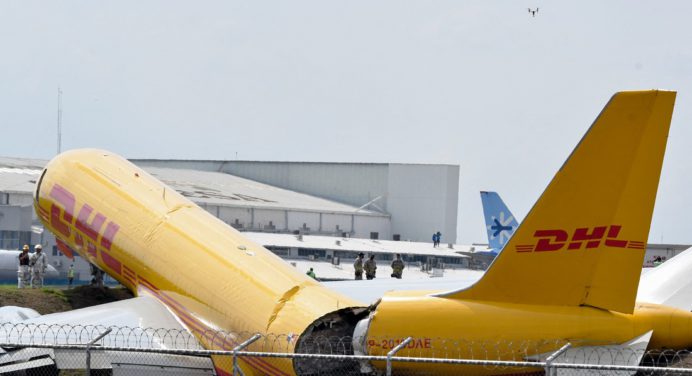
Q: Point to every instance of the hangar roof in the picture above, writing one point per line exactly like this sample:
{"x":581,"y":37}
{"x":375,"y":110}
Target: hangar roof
{"x":218,"y":188}
{"x":18,"y":175}
{"x":356,"y":244}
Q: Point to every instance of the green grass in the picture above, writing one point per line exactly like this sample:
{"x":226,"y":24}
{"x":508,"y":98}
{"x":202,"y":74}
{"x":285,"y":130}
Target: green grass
{"x":59,"y":293}
{"x":52,"y":299}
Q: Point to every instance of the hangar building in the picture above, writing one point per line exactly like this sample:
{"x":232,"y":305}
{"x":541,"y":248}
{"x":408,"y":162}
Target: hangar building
{"x":348,"y":200}
{"x":419,"y":198}
{"x":342,"y":201}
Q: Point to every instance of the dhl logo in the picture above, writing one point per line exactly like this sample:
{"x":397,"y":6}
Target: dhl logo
{"x":88,"y":230}
{"x":555,"y":240}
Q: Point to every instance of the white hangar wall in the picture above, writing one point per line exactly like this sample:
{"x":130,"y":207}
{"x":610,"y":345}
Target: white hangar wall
{"x":420,"y":198}
{"x":358,"y":225}
{"x":423,"y":199}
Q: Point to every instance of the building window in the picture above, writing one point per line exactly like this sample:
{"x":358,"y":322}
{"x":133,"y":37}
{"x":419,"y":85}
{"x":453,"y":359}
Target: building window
{"x":345,"y":255}
{"x":56,"y":252}
{"x":14,"y":239}
{"x":307,"y":252}
{"x":451,"y":260}
{"x":279,"y":251}
{"x":384,"y":256}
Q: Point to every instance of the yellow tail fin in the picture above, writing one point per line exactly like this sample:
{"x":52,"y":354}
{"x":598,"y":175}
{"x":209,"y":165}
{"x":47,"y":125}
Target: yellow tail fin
{"x":584,"y":240}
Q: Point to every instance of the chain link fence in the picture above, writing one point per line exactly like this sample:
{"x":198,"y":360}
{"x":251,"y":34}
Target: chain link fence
{"x":38,"y":349}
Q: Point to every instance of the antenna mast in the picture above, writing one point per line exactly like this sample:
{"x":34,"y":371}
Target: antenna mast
{"x":59,"y":120}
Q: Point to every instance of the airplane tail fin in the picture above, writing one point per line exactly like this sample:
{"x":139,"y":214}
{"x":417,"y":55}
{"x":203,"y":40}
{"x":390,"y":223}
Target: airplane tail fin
{"x":499,"y":221}
{"x":583,"y":242}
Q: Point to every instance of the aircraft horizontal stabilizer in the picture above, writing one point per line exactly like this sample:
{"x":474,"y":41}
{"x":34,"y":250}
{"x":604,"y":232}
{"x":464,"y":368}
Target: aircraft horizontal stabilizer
{"x":629,"y":353}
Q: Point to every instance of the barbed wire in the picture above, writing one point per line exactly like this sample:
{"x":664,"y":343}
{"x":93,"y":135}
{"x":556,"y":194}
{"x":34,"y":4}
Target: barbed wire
{"x":593,"y":352}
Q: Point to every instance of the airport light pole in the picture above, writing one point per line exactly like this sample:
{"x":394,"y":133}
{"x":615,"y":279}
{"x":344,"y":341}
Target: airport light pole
{"x":59,"y":120}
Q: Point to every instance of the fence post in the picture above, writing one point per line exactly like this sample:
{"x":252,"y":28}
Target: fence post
{"x":88,"y":349}
{"x":549,"y":371}
{"x":394,"y":351}
{"x":243,"y":345}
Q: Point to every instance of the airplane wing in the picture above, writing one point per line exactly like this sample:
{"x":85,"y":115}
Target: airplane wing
{"x":137,"y":315}
{"x":370,"y":291}
{"x":133,"y":322}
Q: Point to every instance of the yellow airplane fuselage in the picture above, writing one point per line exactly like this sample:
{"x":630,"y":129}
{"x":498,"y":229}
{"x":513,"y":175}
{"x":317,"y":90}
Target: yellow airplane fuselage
{"x":156,"y":242}
{"x":568,"y":274}
{"x":570,"y":271}
{"x":460,"y":329}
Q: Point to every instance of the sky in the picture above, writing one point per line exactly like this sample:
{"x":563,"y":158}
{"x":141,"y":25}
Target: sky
{"x":480,"y":84}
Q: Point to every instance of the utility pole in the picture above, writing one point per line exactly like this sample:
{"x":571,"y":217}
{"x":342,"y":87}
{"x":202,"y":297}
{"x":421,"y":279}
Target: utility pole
{"x":59,"y":120}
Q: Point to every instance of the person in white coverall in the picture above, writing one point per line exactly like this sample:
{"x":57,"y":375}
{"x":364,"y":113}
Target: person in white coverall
{"x":38,"y":267}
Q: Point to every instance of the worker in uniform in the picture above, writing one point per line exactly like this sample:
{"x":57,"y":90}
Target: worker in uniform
{"x":358,"y":266}
{"x":397,"y":267}
{"x":311,"y":273}
{"x":370,"y":267}
{"x":23,"y":273}
{"x":38,"y":267}
{"x":97,"y":276}
{"x":70,"y":275}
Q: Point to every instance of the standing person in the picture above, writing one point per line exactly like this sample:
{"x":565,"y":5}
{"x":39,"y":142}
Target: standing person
{"x":97,"y":276}
{"x":439,"y":238}
{"x":358,"y":266}
{"x":434,"y":239}
{"x":311,"y":273}
{"x":70,"y":275}
{"x":397,"y":267}
{"x":38,"y":264}
{"x":370,"y":267}
{"x":23,"y":273}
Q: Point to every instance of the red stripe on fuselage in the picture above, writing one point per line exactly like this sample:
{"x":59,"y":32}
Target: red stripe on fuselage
{"x":204,"y":331}
{"x":209,"y":334}
{"x":111,"y":262}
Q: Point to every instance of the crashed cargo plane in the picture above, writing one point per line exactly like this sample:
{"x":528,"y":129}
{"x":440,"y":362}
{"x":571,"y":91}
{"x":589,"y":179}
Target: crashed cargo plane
{"x":569,"y":272}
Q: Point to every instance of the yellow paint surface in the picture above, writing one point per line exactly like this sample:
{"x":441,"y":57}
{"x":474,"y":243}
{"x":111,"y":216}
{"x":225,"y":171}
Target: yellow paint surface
{"x":211,"y":276}
{"x":464,"y":329}
{"x":569,"y":273}
{"x":605,"y":192}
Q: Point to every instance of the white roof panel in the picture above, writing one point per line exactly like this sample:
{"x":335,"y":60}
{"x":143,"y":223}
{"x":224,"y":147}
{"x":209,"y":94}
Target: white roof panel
{"x":356,"y":244}
{"x":217,"y":188}
{"x":19,"y":175}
